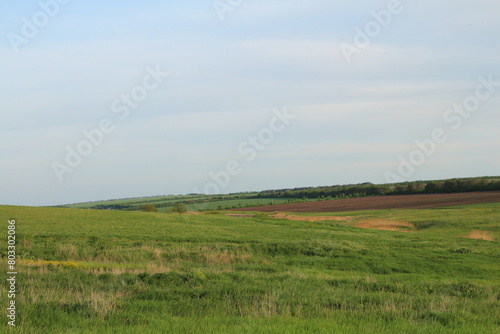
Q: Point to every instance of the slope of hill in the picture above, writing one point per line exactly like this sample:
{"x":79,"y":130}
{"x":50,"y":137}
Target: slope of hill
{"x":426,"y":201}
{"x":201,"y":202}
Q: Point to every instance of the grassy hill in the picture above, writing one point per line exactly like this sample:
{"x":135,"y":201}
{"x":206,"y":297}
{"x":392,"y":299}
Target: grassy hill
{"x":194,"y":202}
{"x":97,"y":271}
{"x":201,"y":202}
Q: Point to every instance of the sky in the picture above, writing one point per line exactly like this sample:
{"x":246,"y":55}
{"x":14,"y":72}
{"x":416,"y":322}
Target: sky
{"x":115,"y":99}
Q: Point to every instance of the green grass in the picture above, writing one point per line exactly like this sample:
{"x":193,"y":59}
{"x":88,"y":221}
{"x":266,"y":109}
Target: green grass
{"x":193,"y":202}
{"x":140,"y":201}
{"x":90,"y":271}
{"x":235,"y":203}
{"x":131,"y":201}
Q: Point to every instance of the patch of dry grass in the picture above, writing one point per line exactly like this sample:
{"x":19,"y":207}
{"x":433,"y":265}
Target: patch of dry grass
{"x":386,"y":224}
{"x":480,"y":235}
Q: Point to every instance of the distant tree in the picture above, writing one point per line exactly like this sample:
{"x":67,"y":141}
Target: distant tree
{"x":431,"y":187}
{"x":178,"y":208}
{"x":481,"y":184}
{"x":450,"y":186}
{"x":410,"y":188}
{"x":494,"y":186}
{"x":374,"y":190}
{"x":400,"y":190}
{"x":149,"y":208}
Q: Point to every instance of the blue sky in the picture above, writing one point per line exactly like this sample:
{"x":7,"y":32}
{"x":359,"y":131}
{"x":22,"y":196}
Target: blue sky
{"x":354,"y":120}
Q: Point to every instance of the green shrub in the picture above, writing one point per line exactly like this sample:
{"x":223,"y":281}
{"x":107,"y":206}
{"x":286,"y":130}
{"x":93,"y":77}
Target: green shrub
{"x":149,"y":208}
{"x":178,"y":208}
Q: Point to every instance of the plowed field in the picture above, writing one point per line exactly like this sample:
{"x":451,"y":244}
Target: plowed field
{"x":425,"y":201}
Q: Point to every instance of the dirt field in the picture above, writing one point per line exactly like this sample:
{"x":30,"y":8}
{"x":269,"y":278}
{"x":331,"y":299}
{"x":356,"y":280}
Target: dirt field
{"x":385,"y":202}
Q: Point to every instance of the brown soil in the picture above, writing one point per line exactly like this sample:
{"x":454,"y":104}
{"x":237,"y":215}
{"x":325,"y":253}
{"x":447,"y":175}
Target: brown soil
{"x":292,"y":217}
{"x":374,"y":224}
{"x":425,"y":201}
{"x":308,"y":218}
{"x":386,"y":224}
{"x":481,"y":235}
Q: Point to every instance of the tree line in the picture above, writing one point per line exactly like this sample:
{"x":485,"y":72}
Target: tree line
{"x":323,"y":193}
{"x":370,"y":189}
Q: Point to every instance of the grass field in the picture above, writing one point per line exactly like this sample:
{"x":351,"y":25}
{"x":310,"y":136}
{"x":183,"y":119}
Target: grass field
{"x":242,"y":203}
{"x":97,"y":271}
{"x":193,"y":202}
{"x":133,"y":201}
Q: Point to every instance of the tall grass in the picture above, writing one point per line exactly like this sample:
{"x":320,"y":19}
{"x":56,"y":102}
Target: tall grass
{"x":86,"y":271}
